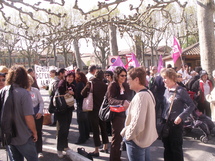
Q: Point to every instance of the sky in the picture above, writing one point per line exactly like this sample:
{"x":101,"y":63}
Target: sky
{"x":87,"y":5}
{"x":123,"y":43}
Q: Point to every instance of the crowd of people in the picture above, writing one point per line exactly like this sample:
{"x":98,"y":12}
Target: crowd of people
{"x":148,"y":97}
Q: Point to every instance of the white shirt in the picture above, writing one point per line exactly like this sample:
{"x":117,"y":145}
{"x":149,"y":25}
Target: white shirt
{"x":89,"y":76}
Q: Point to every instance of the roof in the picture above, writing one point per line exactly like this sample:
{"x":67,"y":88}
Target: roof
{"x":192,"y":50}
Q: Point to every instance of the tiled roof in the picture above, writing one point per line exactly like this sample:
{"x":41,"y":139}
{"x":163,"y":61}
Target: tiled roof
{"x":192,"y":50}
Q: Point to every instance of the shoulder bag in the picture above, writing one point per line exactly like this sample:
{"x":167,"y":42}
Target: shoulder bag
{"x":59,"y":102}
{"x":163,"y":128}
{"x":105,"y":114}
{"x":88,"y":101}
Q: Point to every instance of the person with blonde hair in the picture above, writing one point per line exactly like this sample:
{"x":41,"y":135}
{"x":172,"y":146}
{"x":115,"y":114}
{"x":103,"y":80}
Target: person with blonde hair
{"x":177,"y":106}
{"x":3,"y":69}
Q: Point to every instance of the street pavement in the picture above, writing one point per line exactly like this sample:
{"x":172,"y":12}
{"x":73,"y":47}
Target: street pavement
{"x":194,"y":149}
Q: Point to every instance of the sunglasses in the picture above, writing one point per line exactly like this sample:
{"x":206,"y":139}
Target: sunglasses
{"x":123,"y":75}
{"x":2,"y":80}
{"x":107,"y":75}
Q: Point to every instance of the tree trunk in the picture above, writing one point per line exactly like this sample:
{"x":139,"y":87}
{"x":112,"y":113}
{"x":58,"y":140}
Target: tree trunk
{"x":113,"y":40}
{"x":55,"y":55}
{"x":77,"y":54}
{"x":103,"y":58}
{"x":205,"y":11}
{"x":138,"y":44}
{"x":65,"y":56}
{"x":10,"y":58}
{"x":143,"y":54}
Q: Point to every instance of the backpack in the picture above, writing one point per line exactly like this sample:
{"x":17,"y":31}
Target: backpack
{"x":7,"y":123}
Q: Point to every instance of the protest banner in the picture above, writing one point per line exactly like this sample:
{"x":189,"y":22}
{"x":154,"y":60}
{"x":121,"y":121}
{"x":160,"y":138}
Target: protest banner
{"x":42,"y":75}
{"x":132,"y":61}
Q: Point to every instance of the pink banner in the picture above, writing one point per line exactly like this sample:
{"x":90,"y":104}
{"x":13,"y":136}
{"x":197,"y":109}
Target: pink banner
{"x":117,"y":63}
{"x":176,"y":50}
{"x":160,"y":63}
{"x":132,"y":61}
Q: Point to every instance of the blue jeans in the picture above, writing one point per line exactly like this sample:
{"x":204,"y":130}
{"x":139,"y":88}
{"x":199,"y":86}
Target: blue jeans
{"x":136,"y":153}
{"x":27,"y":150}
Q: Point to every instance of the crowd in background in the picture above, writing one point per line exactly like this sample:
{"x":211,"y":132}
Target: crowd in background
{"x":138,"y":90}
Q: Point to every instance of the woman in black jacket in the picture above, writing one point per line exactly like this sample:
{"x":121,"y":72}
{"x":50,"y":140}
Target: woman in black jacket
{"x":99,"y":90}
{"x":82,"y":117}
{"x":64,"y":118}
{"x":118,"y":93}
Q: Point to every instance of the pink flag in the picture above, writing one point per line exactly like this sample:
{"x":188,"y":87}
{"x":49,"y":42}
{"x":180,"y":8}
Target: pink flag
{"x":160,"y":63}
{"x":132,"y":61}
{"x":176,"y":50}
{"x":117,"y":63}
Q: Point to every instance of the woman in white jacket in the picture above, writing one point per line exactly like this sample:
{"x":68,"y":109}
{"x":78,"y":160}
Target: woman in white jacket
{"x":140,"y":125}
{"x":211,"y":98}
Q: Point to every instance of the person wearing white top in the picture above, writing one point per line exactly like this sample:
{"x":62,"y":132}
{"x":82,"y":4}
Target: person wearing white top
{"x":140,"y":124}
{"x":38,"y":106}
{"x":211,"y":98}
{"x":91,"y":72}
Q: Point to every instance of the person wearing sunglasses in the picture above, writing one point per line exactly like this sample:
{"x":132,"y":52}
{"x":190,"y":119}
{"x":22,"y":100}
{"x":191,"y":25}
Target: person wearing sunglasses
{"x":108,"y":77}
{"x":2,"y":80}
{"x":118,"y":93}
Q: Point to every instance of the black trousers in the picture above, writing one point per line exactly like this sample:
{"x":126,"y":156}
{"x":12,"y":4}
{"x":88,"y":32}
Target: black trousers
{"x":39,"y":143}
{"x":97,"y":126}
{"x":63,"y":125}
{"x":173,"y":144}
{"x":117,"y":126}
{"x":83,"y":126}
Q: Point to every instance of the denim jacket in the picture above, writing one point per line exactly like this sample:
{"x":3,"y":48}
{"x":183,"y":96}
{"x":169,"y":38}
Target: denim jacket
{"x":182,"y":106}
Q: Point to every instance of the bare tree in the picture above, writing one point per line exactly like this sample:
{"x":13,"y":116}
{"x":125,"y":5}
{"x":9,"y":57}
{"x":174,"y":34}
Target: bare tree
{"x":205,"y":12}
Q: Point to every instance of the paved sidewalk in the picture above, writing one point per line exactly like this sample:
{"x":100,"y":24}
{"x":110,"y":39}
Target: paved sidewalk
{"x":194,"y":150}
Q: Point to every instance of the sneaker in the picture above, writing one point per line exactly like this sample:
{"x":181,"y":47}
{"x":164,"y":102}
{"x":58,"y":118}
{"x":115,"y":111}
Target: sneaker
{"x":40,"y":155}
{"x":60,"y":154}
{"x":65,"y":149}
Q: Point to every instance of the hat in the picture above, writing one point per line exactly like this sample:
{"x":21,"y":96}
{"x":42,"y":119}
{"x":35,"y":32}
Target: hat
{"x":202,"y":73}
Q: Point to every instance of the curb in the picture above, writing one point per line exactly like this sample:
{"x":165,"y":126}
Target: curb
{"x":75,"y":156}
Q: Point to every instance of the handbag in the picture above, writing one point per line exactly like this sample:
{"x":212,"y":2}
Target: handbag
{"x":59,"y":102}
{"x":164,"y":128}
{"x":88,"y":101}
{"x":105,"y":114}
{"x":69,"y":99}
{"x":82,"y":152}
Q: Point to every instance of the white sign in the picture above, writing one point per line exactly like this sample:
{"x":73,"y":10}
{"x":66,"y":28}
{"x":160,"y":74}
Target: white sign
{"x":42,"y":75}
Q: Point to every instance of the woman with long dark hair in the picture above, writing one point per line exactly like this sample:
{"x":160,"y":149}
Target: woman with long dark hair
{"x":82,"y":117}
{"x":118,"y":93}
{"x":65,"y":86}
{"x":99,"y":90}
